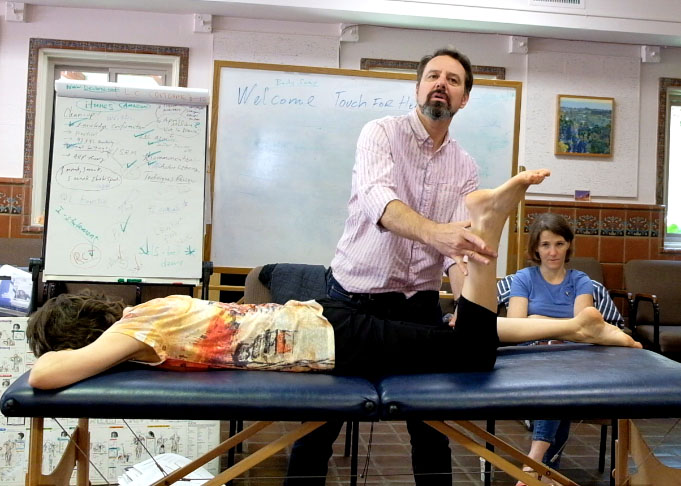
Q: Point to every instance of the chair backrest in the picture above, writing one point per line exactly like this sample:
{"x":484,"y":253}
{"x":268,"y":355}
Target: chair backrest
{"x":588,"y":265}
{"x":659,"y":277}
{"x":255,"y":292}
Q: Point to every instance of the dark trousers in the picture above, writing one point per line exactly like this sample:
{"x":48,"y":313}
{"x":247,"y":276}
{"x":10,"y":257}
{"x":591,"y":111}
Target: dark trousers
{"x":377,"y":334}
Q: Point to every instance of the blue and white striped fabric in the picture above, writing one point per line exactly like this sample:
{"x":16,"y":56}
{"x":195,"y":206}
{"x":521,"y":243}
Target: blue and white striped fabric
{"x":602,"y":300}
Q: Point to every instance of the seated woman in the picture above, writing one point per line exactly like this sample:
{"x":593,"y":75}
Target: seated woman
{"x":549,"y":290}
{"x":76,"y":337}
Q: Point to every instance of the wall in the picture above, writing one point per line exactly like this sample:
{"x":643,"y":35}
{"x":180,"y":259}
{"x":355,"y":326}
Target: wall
{"x":82,"y":25}
{"x":552,"y":72}
{"x":235,"y":38}
{"x":613,"y":234}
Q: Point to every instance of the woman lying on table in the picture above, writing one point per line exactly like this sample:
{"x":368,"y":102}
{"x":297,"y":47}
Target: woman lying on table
{"x":78,"y":336}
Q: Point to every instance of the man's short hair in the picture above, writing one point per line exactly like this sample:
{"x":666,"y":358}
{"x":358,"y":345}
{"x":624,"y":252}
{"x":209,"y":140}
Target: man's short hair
{"x":453,"y":53}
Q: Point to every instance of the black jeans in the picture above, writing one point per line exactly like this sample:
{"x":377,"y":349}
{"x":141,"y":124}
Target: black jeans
{"x":389,"y":333}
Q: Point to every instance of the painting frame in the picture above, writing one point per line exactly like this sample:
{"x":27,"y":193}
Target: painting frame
{"x":584,"y":126}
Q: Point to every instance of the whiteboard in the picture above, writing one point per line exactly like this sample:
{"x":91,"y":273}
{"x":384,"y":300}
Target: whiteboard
{"x":126,"y":185}
{"x":283,"y":145}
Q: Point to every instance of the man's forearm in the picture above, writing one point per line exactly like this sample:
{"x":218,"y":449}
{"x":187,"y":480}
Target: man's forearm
{"x":450,"y":239}
{"x":404,"y":221}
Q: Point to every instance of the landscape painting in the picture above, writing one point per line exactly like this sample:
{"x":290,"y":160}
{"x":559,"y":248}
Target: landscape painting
{"x":584,"y":126}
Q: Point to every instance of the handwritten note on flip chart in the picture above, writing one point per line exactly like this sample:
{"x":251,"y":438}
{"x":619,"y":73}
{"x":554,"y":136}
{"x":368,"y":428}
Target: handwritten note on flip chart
{"x":126,"y":191}
{"x":285,"y":146}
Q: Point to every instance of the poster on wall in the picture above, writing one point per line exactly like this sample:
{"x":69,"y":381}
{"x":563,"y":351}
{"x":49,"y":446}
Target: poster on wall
{"x":114,"y":444}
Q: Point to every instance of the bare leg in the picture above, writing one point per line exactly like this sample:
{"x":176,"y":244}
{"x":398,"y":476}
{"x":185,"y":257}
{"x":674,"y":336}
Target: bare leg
{"x":488,"y":210}
{"x":538,"y":450}
{"x":586,"y":327}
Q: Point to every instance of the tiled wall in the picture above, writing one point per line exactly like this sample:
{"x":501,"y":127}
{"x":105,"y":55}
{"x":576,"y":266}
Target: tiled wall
{"x":611,"y":233}
{"x":13,"y":194}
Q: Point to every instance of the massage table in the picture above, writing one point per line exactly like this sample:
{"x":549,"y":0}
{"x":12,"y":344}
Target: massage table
{"x":571,"y":381}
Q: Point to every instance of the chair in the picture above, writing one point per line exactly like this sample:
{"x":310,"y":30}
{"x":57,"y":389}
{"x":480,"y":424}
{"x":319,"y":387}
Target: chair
{"x":257,"y":293}
{"x":588,"y":265}
{"x":655,"y":318}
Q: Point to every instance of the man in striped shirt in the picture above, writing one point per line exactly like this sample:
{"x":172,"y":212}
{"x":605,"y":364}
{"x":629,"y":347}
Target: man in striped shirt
{"x":407,"y":225}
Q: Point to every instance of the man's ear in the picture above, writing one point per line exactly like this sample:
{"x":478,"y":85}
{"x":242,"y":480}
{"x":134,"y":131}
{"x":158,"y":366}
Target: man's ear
{"x":464,"y":100}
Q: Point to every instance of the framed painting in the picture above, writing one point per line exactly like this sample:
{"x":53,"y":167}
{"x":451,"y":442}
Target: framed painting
{"x":584,"y":126}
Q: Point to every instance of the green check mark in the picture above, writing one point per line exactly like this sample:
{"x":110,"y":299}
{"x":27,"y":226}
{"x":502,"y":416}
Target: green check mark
{"x":124,"y":226}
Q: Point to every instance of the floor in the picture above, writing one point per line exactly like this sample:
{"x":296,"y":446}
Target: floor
{"x":389,"y":462}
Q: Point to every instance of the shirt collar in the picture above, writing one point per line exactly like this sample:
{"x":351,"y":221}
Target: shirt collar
{"x":420,"y":131}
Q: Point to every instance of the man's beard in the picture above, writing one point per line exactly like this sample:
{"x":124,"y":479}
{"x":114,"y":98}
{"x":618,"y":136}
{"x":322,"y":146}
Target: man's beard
{"x":436,"y":110}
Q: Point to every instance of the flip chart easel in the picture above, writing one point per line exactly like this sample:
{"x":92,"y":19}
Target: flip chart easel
{"x":125,"y":200}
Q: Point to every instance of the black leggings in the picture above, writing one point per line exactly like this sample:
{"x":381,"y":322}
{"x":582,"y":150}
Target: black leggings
{"x":369,"y":345}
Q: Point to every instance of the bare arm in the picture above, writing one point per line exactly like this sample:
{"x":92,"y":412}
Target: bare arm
{"x":456,"y":278}
{"x":582,"y":302}
{"x":56,"y":369}
{"x":450,"y":239}
{"x":517,"y":307}
{"x":510,"y":331}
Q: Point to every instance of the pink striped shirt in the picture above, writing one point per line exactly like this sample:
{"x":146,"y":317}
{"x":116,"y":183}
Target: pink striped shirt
{"x":395,"y":160}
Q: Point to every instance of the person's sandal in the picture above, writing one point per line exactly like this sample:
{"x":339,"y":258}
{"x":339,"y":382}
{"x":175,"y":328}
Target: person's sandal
{"x":531,"y":472}
{"x":534,"y":474}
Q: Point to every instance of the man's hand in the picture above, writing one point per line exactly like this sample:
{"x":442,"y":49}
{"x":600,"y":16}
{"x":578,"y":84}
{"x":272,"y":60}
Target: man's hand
{"x":456,"y":241}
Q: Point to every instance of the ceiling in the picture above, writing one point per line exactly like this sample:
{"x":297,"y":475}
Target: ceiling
{"x":651,"y":22}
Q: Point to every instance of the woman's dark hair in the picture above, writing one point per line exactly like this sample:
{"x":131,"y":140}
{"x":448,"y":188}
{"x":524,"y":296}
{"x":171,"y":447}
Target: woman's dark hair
{"x":71,"y":321}
{"x":555,"y":223}
{"x":453,"y":53}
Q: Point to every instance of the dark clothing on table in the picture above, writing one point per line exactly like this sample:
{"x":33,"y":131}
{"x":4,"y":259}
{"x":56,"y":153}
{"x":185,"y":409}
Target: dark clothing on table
{"x":388,"y":333}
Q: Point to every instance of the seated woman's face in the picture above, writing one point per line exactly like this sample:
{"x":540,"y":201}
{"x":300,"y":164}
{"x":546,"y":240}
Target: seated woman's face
{"x":552,"y":250}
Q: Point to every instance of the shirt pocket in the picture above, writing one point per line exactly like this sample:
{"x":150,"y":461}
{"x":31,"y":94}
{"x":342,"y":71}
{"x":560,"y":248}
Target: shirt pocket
{"x":441,"y":200}
{"x":566,"y":295}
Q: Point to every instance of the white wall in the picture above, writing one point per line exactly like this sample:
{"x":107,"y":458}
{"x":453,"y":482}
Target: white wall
{"x":82,"y":25}
{"x":234,"y":39}
{"x":636,"y":96}
{"x":575,"y":68}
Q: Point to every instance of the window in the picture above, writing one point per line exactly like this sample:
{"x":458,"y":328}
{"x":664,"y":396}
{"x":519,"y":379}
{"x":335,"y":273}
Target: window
{"x":51,"y":59}
{"x":151,"y":75}
{"x":672,"y":183}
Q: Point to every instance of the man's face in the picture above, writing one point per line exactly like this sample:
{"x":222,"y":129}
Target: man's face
{"x":441,"y":91}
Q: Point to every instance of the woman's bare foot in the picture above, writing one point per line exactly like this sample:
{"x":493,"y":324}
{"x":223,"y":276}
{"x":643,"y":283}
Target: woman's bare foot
{"x":593,"y":329}
{"x":489,"y":208}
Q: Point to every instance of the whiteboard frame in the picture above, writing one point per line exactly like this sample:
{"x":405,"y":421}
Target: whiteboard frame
{"x":513,"y":256}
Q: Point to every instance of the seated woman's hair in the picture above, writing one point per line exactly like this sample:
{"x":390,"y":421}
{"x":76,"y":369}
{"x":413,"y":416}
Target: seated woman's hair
{"x":71,"y":321}
{"x":555,"y":223}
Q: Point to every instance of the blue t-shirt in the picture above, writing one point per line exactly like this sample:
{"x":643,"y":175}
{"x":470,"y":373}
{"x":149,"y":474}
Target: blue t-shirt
{"x":550,"y":300}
